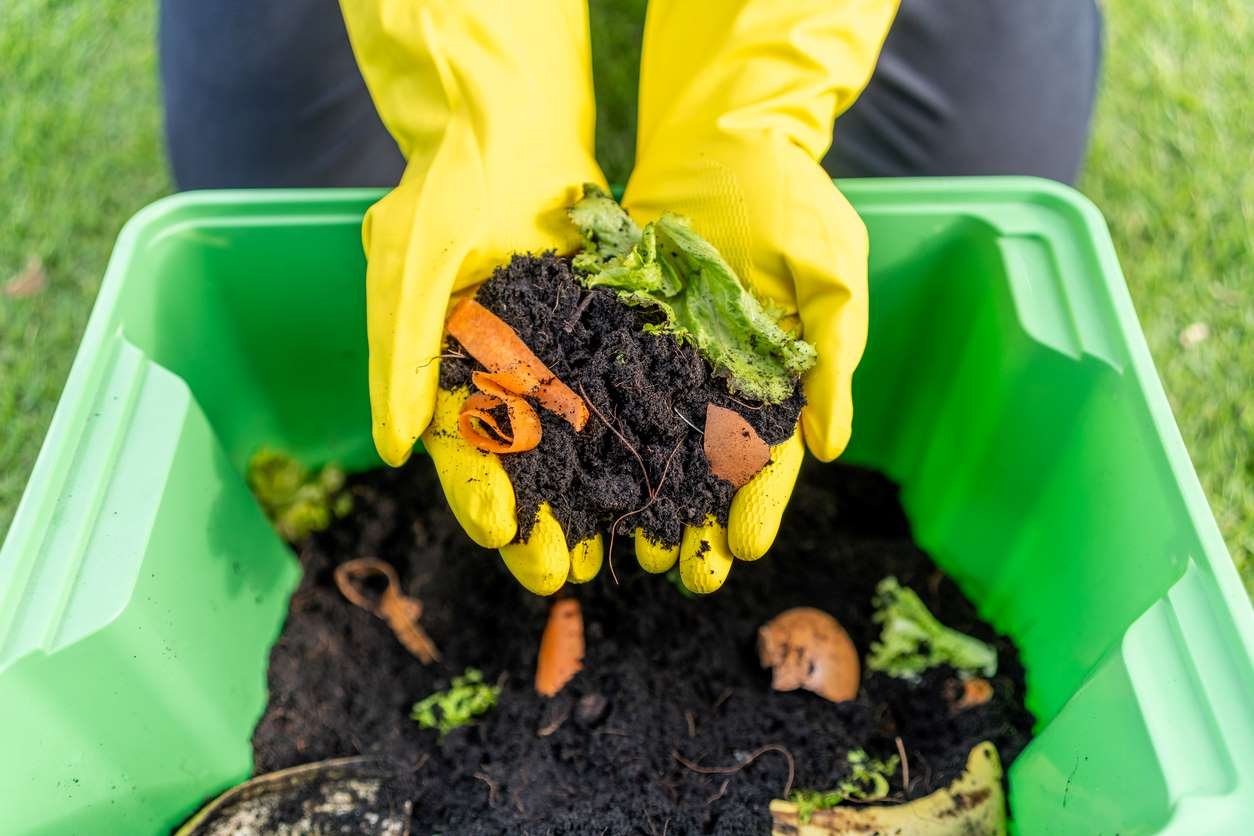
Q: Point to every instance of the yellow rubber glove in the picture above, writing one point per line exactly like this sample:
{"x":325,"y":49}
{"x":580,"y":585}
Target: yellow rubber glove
{"x":491,"y":103}
{"x":737,"y":103}
{"x":492,"y":106}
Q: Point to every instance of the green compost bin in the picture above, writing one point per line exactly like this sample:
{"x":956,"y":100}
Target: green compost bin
{"x":1006,"y":387}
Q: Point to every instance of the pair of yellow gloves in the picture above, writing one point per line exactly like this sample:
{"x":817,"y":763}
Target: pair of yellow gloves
{"x":491,"y":102}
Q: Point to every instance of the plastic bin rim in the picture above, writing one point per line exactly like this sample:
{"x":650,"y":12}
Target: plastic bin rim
{"x":1073,"y":207}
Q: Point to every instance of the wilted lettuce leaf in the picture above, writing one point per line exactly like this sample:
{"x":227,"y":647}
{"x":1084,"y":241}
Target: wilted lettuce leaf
{"x":669,"y":266}
{"x":608,"y":233}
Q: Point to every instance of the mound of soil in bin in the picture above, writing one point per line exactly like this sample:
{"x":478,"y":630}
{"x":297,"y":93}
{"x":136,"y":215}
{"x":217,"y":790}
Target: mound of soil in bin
{"x":653,"y":389}
{"x":665,"y":676}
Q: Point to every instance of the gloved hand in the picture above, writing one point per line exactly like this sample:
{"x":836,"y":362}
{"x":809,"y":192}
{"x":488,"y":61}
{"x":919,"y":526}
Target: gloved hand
{"x":737,"y":101}
{"x":492,"y":106}
{"x":481,"y":497}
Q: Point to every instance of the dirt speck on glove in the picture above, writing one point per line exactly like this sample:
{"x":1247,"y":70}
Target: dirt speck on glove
{"x":651,"y":389}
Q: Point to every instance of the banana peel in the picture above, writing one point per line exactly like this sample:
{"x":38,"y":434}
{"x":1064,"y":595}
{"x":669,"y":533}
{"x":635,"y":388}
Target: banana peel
{"x":973,"y":805}
{"x":310,"y":798}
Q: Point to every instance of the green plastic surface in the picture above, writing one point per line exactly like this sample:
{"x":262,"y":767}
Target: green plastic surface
{"x":1006,"y":386}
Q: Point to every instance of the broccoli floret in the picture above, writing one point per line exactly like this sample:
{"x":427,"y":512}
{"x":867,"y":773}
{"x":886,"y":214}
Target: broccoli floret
{"x":468,"y":698}
{"x":912,"y":640}
{"x":296,"y":500}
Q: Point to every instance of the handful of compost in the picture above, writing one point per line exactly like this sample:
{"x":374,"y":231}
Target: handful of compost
{"x":638,"y":389}
{"x":498,"y":134}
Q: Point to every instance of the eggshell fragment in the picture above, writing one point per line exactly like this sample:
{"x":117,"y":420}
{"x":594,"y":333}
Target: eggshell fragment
{"x":733,"y":447}
{"x":806,"y":648}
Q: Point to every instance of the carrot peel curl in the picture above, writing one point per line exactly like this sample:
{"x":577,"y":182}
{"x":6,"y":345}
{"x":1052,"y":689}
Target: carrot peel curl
{"x":524,"y":424}
{"x":514,"y":373}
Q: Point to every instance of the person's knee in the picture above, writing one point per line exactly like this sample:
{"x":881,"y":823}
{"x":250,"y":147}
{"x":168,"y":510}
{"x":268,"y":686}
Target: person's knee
{"x":268,"y":94}
{"x":977,"y":87}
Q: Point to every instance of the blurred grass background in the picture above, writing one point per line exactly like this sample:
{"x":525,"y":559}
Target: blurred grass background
{"x":81,"y":150}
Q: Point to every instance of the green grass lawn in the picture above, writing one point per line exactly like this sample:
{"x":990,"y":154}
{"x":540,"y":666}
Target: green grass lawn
{"x":80,"y":151}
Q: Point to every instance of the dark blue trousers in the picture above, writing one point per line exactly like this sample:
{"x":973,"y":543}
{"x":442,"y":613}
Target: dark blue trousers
{"x":267,"y":93}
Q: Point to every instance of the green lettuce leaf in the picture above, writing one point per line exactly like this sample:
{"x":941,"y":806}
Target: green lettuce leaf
{"x":668,"y":266}
{"x":608,"y":233}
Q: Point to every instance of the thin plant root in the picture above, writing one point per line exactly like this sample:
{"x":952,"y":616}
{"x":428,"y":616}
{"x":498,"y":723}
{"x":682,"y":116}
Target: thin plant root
{"x":905,"y":765}
{"x":753,"y":756}
{"x":631,"y":448}
{"x":722,"y":791}
{"x":653,"y":494}
{"x":494,"y":790}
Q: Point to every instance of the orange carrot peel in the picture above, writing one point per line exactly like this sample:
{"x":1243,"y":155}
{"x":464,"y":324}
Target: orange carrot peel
{"x":514,"y":373}
{"x":561,"y":647}
{"x":401,"y":612}
{"x":974,"y":691}
{"x":524,"y":424}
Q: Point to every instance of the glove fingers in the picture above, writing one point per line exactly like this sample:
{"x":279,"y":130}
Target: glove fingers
{"x":758,"y":507}
{"x":585,"y":559}
{"x":475,"y":484}
{"x":704,"y":559}
{"x":543,"y":563}
{"x":652,"y":556}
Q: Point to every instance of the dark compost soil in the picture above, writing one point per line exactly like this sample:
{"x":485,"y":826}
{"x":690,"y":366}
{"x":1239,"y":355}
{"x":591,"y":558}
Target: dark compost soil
{"x":652,"y":388}
{"x":664,"y":675}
